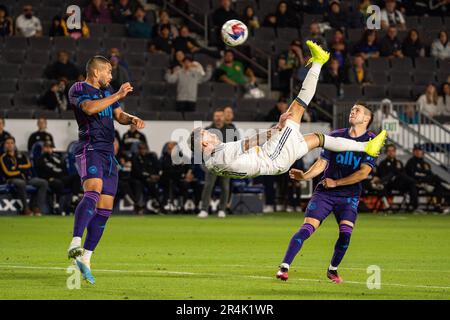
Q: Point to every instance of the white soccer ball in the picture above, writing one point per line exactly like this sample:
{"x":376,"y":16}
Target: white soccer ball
{"x":234,"y":33}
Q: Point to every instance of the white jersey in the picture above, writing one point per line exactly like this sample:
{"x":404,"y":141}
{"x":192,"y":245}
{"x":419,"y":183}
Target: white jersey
{"x":275,"y":157}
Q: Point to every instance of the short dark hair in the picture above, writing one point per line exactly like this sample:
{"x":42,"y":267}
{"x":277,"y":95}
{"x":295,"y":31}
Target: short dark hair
{"x":390,"y":145}
{"x":94,"y":61}
{"x":10,"y":138}
{"x":362,"y":103}
{"x":195,"y":139}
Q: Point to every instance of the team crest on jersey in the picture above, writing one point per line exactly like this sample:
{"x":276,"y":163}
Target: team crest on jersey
{"x":92,"y":169}
{"x":312,"y":205}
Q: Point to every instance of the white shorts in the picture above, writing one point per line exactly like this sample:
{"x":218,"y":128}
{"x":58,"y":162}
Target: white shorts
{"x":282,"y":150}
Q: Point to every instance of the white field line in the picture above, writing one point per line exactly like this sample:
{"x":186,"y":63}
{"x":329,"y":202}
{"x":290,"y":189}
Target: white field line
{"x":220,"y":275}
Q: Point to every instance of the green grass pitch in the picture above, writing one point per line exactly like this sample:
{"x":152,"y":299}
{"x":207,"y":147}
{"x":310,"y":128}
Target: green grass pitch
{"x":182,"y":257}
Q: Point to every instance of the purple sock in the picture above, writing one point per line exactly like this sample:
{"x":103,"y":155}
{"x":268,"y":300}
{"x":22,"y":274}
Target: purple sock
{"x":297,"y":241}
{"x":96,"y":228}
{"x":84,"y":212}
{"x":342,"y":243}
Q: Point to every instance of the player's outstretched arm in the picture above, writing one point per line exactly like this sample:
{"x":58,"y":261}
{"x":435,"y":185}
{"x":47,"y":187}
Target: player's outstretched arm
{"x":126,"y":119}
{"x":355,"y":177}
{"x":91,"y":107}
{"x":317,"y":168}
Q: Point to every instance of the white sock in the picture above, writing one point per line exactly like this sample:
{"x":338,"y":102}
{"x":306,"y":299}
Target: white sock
{"x":309,"y":84}
{"x":284,"y":265}
{"x":76,"y":242}
{"x":342,"y":144}
{"x":87,"y":256}
{"x":332,"y":268}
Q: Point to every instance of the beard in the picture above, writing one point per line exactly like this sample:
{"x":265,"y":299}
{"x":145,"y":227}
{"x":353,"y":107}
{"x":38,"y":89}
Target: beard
{"x":103,"y":84}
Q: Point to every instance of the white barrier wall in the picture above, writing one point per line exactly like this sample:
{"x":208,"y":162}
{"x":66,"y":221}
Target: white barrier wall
{"x":157,"y":132}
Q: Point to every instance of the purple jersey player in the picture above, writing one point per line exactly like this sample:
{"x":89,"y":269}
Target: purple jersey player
{"x":338,"y":192}
{"x":96,"y":107}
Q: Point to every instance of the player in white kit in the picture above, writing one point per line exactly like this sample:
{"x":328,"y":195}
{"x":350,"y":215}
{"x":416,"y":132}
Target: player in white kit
{"x":274,"y":151}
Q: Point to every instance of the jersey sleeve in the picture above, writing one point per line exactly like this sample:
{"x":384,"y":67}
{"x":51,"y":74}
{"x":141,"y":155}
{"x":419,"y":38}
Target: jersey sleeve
{"x":78,"y":95}
{"x":370,"y":161}
{"x":232,"y":150}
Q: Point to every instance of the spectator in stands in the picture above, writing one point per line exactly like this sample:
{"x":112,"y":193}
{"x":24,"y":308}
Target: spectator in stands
{"x":282,"y":18}
{"x":187,"y":80}
{"x":41,"y":135}
{"x":187,"y":183}
{"x":338,"y":47}
{"x":368,"y":45}
{"x":412,"y":46}
{"x":333,"y":74}
{"x":16,"y":168}
{"x":316,"y":36}
{"x":428,"y":102}
{"x":3,"y":133}
{"x":27,"y":24}
{"x":123,"y":10}
{"x":119,"y":74}
{"x":420,"y":170}
{"x":440,"y":48}
{"x":358,"y":73}
{"x":6,"y":24}
{"x":385,"y":112}
{"x":390,"y":45}
{"x":115,"y":52}
{"x":74,"y":32}
{"x":444,"y":99}
{"x":177,"y":60}
{"x":316,"y":7}
{"x":50,"y":166}
{"x":98,"y":12}
{"x":139,"y":27}
{"x":185,"y":42}
{"x":391,"y":17}
{"x":360,"y":16}
{"x":234,"y":73}
{"x":275,"y":113}
{"x":56,"y":28}
{"x":393,"y":177}
{"x":222,"y":15}
{"x":63,"y":67}
{"x":131,"y":139}
{"x":162,"y":43}
{"x":409,"y":114}
{"x":164,"y":22}
{"x":220,"y":129}
{"x":336,"y":17}
{"x":55,"y":97}
{"x":431,"y":7}
{"x":172,"y":175}
{"x":145,"y":173}
{"x":228,"y":114}
{"x":288,"y":62}
{"x":250,"y":19}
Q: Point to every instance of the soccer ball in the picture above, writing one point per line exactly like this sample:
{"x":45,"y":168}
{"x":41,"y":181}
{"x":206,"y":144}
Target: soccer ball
{"x":234,"y":33}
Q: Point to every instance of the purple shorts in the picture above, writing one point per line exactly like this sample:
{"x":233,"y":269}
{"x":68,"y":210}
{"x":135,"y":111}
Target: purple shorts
{"x":322,"y":204}
{"x":100,"y":165}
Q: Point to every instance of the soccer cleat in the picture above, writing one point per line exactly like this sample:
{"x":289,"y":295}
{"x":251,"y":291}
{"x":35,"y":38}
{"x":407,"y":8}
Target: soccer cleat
{"x":85,"y":271}
{"x":318,"y":54}
{"x":282,"y":274}
{"x":374,"y":146}
{"x":334,"y":276}
{"x":74,"y":252}
{"x":221,"y":214}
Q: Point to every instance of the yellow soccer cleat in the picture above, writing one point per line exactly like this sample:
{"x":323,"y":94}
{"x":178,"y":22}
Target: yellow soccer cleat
{"x":374,"y":146}
{"x":318,"y":54}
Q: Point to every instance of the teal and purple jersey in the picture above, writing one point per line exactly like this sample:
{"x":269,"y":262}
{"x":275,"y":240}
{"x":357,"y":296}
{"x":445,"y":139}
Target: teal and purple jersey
{"x":95,"y":132}
{"x":343,"y":164}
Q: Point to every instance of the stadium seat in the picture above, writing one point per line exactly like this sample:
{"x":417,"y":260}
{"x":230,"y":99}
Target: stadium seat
{"x":48,"y":114}
{"x":352,"y":91}
{"x":96,"y":30}
{"x":9,"y":71}
{"x":425,"y":63}
{"x":444,"y":65}
{"x":20,"y":114}
{"x":148,"y":115}
{"x":424,"y":77}
{"x":31,"y":71}
{"x":67,"y":115}
{"x":378,"y":64}
{"x":63,"y":43}
{"x":265,"y":105}
{"x":204,"y":60}
{"x":287,"y":33}
{"x":152,"y":104}
{"x":267,"y":34}
{"x":203,"y":105}
{"x":245,"y":115}
{"x":135,"y":59}
{"x":40,"y":43}
{"x":401,"y":65}
{"x":155,"y":75}
{"x":204,"y":90}
{"x":158,"y":60}
{"x":432,"y":23}
{"x":24,"y":101}
{"x":400,"y":78}
{"x":417,"y":91}
{"x":136,"y":45}
{"x":196,"y":116}
{"x":280,"y":46}
{"x":6,"y":100}
{"x":399,"y":92}
{"x":48,"y":13}
{"x":327,"y":91}
{"x":443,"y":75}
{"x":413,"y":22}
{"x":131,"y":104}
{"x":221,"y":102}
{"x":154,"y":89}
{"x":223,"y":90}
{"x":16,"y":43}
{"x":118,"y":43}
{"x":30,"y":86}
{"x":89,"y":44}
{"x":374,"y":92}
{"x":8,"y":86}
{"x":39,"y":57}
{"x":171,"y":116}
{"x":379,"y":78}
{"x":13,"y":56}
{"x":250,"y":105}
{"x":115,"y":30}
